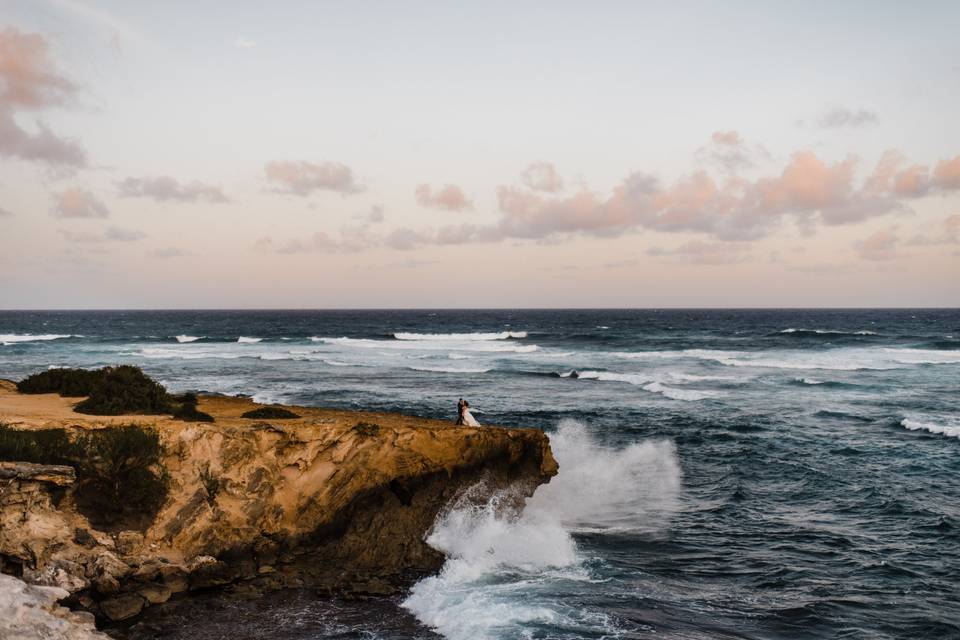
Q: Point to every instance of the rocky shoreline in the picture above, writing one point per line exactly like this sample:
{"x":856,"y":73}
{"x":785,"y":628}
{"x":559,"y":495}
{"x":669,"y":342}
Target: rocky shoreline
{"x":335,"y":501}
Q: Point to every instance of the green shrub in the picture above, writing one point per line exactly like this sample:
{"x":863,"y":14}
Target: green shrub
{"x":66,"y":382}
{"x":125,"y":389}
{"x":120,"y":478}
{"x":185,"y":408}
{"x":270,"y":413}
{"x":45,"y":446}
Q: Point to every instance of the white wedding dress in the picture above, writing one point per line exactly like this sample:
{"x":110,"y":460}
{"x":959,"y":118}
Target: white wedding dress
{"x":468,"y":418}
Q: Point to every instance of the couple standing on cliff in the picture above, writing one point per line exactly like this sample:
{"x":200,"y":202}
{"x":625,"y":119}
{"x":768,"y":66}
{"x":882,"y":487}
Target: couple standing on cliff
{"x":464,"y":417}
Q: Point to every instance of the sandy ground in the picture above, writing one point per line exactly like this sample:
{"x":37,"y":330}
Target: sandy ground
{"x":48,"y":410}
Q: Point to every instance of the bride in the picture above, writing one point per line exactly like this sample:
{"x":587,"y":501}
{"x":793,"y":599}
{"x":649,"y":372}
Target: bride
{"x":467,"y":417}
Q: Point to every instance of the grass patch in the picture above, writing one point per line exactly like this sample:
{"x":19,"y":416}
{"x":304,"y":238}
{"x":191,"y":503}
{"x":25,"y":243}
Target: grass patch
{"x":270,"y":413}
{"x":121,"y":481}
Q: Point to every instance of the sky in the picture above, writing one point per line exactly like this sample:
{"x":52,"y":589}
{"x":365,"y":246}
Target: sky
{"x":445,"y":154}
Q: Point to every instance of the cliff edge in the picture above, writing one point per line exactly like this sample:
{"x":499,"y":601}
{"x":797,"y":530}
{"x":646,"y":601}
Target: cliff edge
{"x":335,"y":500}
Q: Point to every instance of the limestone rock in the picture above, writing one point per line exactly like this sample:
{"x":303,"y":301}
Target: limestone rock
{"x":29,"y":612}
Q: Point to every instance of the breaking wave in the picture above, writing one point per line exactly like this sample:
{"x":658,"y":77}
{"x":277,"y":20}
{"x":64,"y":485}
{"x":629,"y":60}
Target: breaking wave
{"x":182,"y":339}
{"x":802,"y":333}
{"x":448,"y":370}
{"x":246,"y":340}
{"x":497,"y":560}
{"x":647,"y":384}
{"x":490,"y":346}
{"x":950,"y":430}
{"x":502,"y":335}
{"x":7,"y":339}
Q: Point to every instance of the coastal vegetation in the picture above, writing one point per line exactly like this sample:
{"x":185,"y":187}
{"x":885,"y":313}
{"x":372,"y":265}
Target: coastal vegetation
{"x":114,"y":391}
{"x":271,"y":413}
{"x":120,"y":478}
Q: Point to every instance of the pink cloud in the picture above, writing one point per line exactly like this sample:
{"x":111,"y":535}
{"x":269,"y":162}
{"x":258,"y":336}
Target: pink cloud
{"x":729,"y":138}
{"x":29,"y":82}
{"x":947,"y":174}
{"x":165,"y":188}
{"x":78,"y":203}
{"x":449,"y":198}
{"x":542,"y":176}
{"x":303,"y":178}
{"x":882,"y":245}
{"x":695,"y":252}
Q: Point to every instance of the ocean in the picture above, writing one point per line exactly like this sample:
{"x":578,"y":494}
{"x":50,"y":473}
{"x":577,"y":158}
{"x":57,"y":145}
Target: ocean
{"x":723,"y":473}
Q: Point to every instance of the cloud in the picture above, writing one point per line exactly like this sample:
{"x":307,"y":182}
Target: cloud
{"x":807,"y":191}
{"x":241,"y":42}
{"x":620,"y":264}
{"x":303,"y":178}
{"x":375,"y":216}
{"x":165,"y":188}
{"x":947,"y":174}
{"x":30,"y":82}
{"x":112,"y":234}
{"x":882,"y":245}
{"x":167,"y":253}
{"x":729,"y":151}
{"x":4,"y":212}
{"x":351,"y":239}
{"x":841,"y":117}
{"x":947,"y":232}
{"x":542,"y":176}
{"x":449,"y":198}
{"x":78,"y":203}
{"x":696,"y":252}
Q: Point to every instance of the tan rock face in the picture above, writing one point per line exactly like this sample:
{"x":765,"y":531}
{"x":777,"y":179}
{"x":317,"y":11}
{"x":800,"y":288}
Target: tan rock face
{"x":333,"y":499}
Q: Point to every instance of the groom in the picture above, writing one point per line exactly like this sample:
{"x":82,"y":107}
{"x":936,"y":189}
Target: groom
{"x":460,"y":405}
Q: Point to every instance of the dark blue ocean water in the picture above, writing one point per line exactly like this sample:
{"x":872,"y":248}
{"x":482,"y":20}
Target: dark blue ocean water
{"x":724,"y":474}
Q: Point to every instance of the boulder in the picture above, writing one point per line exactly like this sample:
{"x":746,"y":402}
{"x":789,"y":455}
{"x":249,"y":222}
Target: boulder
{"x":128,"y":542}
{"x":155,"y":593}
{"x":122,"y":607}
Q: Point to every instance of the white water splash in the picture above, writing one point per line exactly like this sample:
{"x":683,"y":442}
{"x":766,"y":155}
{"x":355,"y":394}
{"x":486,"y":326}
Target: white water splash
{"x":497,"y":563}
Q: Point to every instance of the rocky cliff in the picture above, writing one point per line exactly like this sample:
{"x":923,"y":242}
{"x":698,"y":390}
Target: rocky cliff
{"x":335,"y":500}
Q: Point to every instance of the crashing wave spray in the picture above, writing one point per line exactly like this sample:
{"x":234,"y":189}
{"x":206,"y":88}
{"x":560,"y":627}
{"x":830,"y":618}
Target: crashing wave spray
{"x":498,"y":562}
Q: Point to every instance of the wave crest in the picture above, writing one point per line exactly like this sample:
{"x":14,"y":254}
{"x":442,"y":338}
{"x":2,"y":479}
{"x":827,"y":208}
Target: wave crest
{"x":458,"y":337}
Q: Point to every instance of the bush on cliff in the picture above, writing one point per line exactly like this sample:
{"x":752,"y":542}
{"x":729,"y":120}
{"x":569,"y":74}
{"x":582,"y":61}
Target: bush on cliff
{"x":120,"y":478}
{"x":270,"y":413}
{"x":185,"y":408}
{"x":66,"y":382}
{"x":125,"y":389}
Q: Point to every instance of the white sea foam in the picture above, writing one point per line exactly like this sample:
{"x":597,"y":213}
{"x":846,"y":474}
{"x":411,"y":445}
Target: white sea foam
{"x":458,"y":356}
{"x":426,"y":345}
{"x":496,"y":562}
{"x":7,"y":339}
{"x":680,"y":394}
{"x":459,"y":337}
{"x":187,"y":338}
{"x":831,"y":332}
{"x":449,"y":370}
{"x":648,"y":383}
{"x":162,"y":352}
{"x":246,"y":340}
{"x":809,"y":380}
{"x":951,"y":430}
